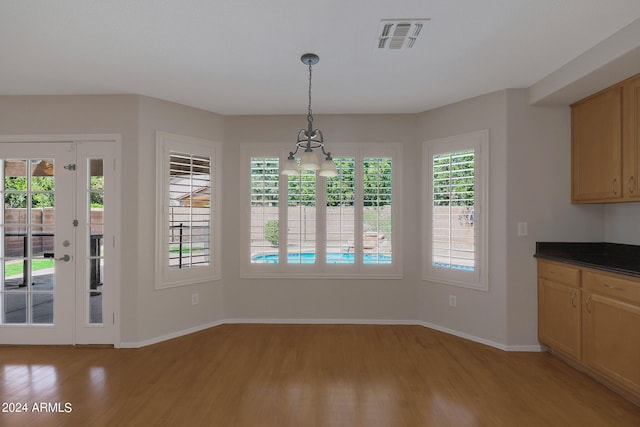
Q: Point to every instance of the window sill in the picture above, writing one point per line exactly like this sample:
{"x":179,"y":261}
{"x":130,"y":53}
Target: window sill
{"x":353,"y":276}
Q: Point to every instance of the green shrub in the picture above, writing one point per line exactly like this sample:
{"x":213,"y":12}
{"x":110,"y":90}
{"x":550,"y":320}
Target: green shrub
{"x":272,"y":231}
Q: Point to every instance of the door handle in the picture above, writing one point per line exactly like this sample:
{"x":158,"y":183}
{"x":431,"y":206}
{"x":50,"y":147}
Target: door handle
{"x":65,"y":258}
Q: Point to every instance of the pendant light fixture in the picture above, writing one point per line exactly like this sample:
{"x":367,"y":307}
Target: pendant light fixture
{"x":310,"y":139}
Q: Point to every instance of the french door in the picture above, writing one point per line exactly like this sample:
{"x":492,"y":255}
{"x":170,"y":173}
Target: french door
{"x":56,"y":250}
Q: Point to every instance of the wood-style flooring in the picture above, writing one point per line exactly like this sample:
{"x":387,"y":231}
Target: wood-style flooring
{"x":303,"y":375}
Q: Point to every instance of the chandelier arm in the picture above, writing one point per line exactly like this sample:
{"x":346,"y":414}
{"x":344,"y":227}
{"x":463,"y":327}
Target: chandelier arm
{"x":326,"y":153}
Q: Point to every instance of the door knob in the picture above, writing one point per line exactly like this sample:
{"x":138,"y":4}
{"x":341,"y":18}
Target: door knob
{"x":65,"y":258}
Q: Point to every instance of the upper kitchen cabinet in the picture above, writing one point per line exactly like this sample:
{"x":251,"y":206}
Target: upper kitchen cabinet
{"x":596,"y":147}
{"x":631,"y":138}
{"x":605,"y":146}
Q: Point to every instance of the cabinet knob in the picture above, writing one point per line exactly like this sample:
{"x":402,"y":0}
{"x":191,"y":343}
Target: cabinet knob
{"x":613,"y":186}
{"x":631,"y":182}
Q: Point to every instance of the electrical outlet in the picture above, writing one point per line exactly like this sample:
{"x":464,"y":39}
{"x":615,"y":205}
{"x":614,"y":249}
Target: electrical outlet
{"x":194,"y":299}
{"x":452,"y":300}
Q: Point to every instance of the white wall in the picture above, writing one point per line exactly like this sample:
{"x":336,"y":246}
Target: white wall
{"x":30,"y":115}
{"x":312,"y":299}
{"x":538,"y":193}
{"x":622,"y":223}
{"x":146,"y":314}
{"x":480,"y":314}
{"x":168,"y":311}
{"x":529,"y":182}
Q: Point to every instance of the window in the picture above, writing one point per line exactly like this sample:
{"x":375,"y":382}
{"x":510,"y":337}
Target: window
{"x":340,"y":214}
{"x":265,"y":202}
{"x":311,"y":226}
{"x":188,"y":219}
{"x":454,"y":202}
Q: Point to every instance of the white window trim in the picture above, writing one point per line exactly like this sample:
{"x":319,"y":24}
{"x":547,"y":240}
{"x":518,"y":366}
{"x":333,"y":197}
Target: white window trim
{"x":166,"y":143}
{"x":479,"y":141}
{"x":321,"y":270}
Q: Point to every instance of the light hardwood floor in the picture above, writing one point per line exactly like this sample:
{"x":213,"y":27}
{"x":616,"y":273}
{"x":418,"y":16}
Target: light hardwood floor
{"x":305,"y":375}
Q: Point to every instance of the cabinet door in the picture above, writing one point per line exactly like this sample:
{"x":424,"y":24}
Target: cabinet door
{"x":631,"y":138}
{"x":596,"y":147}
{"x":559,"y":317}
{"x":612,"y":342}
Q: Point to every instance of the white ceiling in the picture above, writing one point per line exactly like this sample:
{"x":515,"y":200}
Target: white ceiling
{"x":242,"y":56}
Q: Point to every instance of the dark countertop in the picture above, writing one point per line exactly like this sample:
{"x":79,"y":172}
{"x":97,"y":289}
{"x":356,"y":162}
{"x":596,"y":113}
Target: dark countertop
{"x":613,"y":257}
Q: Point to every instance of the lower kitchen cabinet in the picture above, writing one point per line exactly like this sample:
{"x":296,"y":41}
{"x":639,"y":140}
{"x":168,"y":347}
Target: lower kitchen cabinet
{"x":611,"y":328}
{"x":593,"y":318}
{"x":559,"y":319}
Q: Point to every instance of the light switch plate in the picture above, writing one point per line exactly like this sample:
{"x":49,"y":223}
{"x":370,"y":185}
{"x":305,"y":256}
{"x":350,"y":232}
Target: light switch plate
{"x":522,"y":229}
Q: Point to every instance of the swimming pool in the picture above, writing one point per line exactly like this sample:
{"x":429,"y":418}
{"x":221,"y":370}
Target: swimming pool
{"x":454,"y":266}
{"x":332,"y":258}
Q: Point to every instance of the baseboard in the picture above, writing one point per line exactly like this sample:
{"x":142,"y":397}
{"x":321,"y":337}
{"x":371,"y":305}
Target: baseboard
{"x":536,"y":348}
{"x":321,"y":321}
{"x":494,"y":344}
{"x":511,"y":348}
{"x":170,"y":336}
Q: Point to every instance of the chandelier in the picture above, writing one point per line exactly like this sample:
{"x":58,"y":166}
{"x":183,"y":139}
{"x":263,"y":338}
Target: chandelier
{"x":310,"y":139}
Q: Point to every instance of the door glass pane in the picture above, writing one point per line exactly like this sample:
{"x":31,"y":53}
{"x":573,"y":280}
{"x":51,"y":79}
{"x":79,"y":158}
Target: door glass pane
{"x":27,"y":233}
{"x":13,"y":275}
{"x":95,"y":224}
{"x":42,"y":308}
{"x":14,"y":308}
{"x":15,"y":190}
{"x":41,"y":242}
{"x":42,"y":274}
{"x":14,"y":241}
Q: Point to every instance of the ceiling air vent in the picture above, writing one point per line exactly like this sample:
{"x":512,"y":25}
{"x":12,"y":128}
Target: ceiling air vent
{"x":399,"y":33}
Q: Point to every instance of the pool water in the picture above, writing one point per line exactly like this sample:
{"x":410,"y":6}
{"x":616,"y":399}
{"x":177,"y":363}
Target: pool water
{"x":332,"y":258}
{"x":454,"y":266}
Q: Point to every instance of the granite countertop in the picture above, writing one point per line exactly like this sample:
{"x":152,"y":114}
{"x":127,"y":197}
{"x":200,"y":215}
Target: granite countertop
{"x":613,"y":257}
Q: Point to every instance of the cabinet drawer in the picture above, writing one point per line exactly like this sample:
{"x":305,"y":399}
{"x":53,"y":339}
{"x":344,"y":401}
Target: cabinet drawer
{"x":611,"y":285}
{"x":559,"y":272}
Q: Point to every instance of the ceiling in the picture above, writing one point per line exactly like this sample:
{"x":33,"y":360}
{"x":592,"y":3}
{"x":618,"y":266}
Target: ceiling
{"x":238,"y":57}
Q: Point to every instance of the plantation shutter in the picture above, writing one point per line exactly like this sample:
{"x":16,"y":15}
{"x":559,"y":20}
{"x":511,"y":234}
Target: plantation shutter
{"x":453,"y":232}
